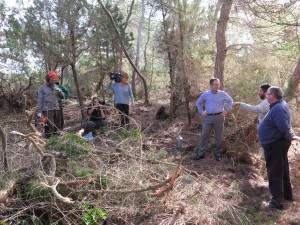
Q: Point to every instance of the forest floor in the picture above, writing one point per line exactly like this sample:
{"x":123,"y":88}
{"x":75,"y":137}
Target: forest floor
{"x":248,"y":178}
{"x":251,"y":178}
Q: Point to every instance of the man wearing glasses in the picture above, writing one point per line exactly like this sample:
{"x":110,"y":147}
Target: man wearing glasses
{"x":275,"y":134}
{"x":216,"y":105}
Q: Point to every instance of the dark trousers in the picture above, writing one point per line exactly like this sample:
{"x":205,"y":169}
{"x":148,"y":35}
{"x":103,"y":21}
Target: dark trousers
{"x":278,"y":169}
{"x":124,"y":108}
{"x":53,"y":123}
{"x":62,"y":115}
{"x":92,"y":126}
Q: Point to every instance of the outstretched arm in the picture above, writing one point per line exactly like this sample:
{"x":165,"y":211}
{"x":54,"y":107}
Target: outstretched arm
{"x":263,"y":107}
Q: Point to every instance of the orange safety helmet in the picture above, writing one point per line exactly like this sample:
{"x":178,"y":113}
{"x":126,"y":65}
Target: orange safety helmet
{"x":53,"y":76}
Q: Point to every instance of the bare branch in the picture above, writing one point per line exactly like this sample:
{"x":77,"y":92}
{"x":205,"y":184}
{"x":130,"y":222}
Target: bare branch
{"x":56,"y":194}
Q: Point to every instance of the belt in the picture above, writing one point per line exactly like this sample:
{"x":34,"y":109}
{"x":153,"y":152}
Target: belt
{"x":213,"y":114}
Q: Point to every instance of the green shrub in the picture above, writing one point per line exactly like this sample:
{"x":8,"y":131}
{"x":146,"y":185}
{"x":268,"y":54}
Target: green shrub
{"x":82,"y":172}
{"x":37,"y":191}
{"x":70,"y":143}
{"x":93,"y":215}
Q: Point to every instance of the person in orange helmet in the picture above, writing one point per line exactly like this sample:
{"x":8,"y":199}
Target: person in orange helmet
{"x":48,"y":103}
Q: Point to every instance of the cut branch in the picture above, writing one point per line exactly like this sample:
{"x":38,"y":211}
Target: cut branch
{"x":56,"y":194}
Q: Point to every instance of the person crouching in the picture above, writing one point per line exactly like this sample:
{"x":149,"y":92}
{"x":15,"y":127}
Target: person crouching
{"x":96,"y":111}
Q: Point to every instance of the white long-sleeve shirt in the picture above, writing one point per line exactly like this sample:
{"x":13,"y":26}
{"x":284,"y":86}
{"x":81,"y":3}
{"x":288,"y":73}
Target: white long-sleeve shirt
{"x":261,"y":109}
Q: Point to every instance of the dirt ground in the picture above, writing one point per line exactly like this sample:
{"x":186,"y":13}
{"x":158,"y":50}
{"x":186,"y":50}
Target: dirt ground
{"x":161,"y":134}
{"x":252,"y":179}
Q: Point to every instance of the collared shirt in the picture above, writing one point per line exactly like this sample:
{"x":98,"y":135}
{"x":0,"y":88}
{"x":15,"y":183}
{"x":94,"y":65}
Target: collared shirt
{"x":261,"y":109}
{"x":276,"y":124}
{"x":214,"y":102}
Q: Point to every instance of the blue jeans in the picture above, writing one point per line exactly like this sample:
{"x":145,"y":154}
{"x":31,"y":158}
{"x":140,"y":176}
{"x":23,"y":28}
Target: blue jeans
{"x":210,"y":122}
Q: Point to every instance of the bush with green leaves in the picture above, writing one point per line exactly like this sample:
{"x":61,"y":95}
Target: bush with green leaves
{"x":92,"y":215}
{"x":70,"y":143}
{"x":124,"y":133}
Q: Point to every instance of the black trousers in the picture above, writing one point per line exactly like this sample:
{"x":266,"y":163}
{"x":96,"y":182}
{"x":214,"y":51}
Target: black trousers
{"x":53,"y":123}
{"x":62,"y":121}
{"x":124,"y":108}
{"x":278,"y":169}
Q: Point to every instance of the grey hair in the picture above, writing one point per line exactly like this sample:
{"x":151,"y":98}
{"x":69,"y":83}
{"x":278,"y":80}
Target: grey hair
{"x":276,"y":91}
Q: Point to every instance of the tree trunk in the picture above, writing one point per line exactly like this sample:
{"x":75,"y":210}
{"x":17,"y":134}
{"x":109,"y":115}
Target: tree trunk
{"x":168,"y":39}
{"x":3,"y":155}
{"x":184,"y":78}
{"x":221,"y":41}
{"x":78,"y":91}
{"x":293,"y":83}
{"x":120,"y":61}
{"x":138,"y":43}
{"x":126,"y":53}
{"x":147,"y":41}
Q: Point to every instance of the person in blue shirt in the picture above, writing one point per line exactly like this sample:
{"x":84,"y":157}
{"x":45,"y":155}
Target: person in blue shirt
{"x":275,"y":135}
{"x":123,"y":94}
{"x":216,"y":105}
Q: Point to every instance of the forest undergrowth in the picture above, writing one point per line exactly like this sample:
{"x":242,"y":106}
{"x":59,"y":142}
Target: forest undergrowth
{"x":134,"y":176}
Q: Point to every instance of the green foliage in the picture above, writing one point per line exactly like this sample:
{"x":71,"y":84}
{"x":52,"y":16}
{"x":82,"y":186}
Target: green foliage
{"x":103,"y":129}
{"x":93,"y":215}
{"x":136,"y":133}
{"x":290,"y":49}
{"x":246,"y":89}
{"x":123,"y":133}
{"x":70,"y":143}
{"x":36,"y":190}
{"x":103,"y":181}
{"x":82,"y":172}
{"x":137,"y":98}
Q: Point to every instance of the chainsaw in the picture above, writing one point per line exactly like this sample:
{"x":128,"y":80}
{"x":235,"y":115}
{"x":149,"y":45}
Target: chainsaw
{"x":41,"y":121}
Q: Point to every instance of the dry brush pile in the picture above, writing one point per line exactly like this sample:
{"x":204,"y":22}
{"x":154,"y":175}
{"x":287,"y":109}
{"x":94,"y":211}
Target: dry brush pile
{"x":69,"y":180}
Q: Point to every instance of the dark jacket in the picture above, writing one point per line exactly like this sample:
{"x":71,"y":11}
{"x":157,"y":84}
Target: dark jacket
{"x":96,"y":115}
{"x":276,"y":124}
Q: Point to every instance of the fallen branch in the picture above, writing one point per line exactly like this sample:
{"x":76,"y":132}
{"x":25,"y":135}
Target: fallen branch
{"x":56,"y":194}
{"x":31,"y":113}
{"x":4,"y":192}
{"x":169,"y":186}
{"x":39,"y":151}
{"x":58,"y":154}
